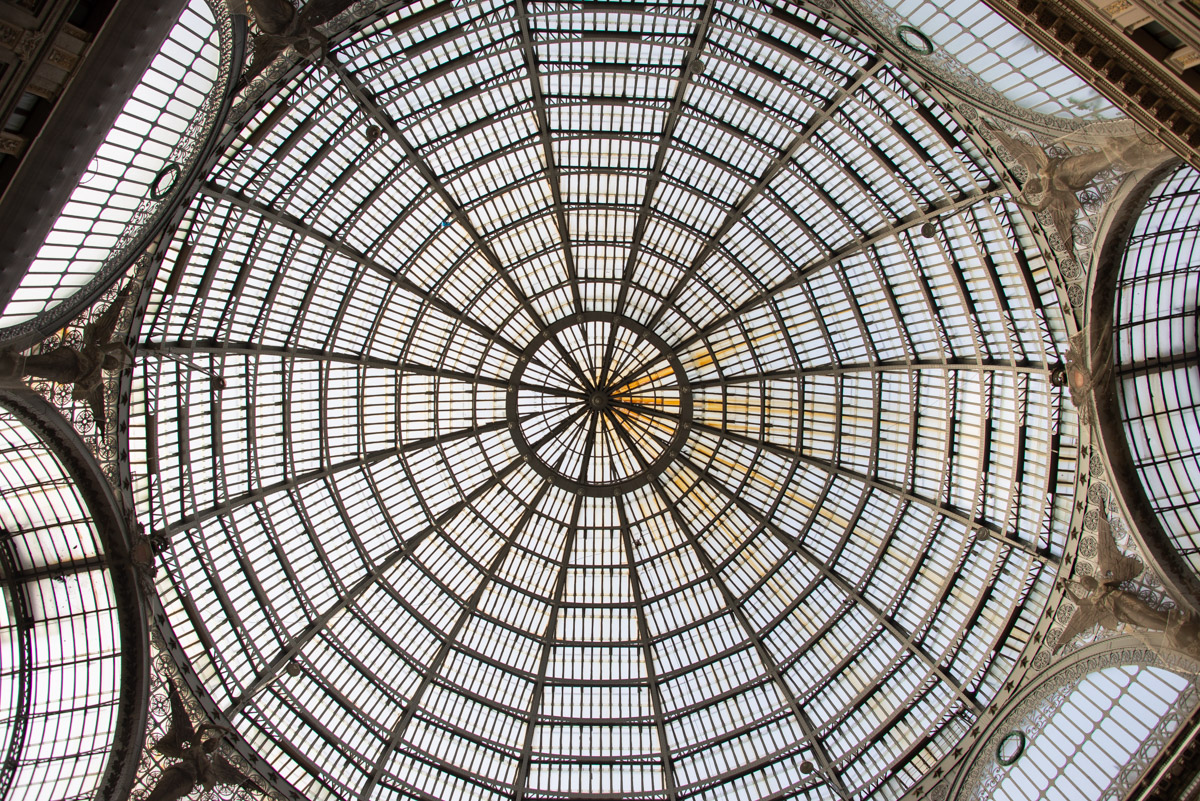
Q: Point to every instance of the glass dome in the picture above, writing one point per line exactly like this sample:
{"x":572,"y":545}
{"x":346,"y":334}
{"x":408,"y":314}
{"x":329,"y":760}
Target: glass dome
{"x":1156,"y":350}
{"x":602,"y":400}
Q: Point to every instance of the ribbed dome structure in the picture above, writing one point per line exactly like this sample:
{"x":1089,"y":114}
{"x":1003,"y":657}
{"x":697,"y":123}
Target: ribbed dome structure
{"x":556,"y":400}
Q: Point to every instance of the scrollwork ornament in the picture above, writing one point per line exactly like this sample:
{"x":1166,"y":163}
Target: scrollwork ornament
{"x":1097,"y":492}
{"x":1070,"y":269}
{"x":1092,"y":200}
{"x":1075,"y":295}
{"x":1041,"y":661}
{"x":1084,"y":568}
{"x":1087,"y":547}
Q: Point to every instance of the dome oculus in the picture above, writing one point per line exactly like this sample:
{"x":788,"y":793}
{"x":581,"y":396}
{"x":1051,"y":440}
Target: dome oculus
{"x":599,"y":404}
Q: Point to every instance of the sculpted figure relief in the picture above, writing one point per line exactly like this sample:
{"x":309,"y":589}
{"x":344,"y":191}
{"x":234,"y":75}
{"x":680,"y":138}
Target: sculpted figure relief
{"x":84,"y":368}
{"x":1082,"y":376}
{"x":280,"y":26}
{"x":1057,"y":179}
{"x":201,"y":763}
{"x":1101,"y":600}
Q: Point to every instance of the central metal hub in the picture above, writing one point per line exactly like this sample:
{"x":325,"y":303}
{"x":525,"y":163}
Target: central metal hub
{"x":599,"y":404}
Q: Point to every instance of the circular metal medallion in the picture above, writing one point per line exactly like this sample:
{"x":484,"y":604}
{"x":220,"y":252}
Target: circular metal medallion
{"x":598,"y":404}
{"x":1010,"y":748}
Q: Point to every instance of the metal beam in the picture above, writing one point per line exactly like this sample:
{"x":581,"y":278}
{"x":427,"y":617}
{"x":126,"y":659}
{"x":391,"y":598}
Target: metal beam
{"x":803,"y":274}
{"x":553,"y":177}
{"x":521,"y":781}
{"x":690,"y":66}
{"x":283,"y":220}
{"x":907,"y":366}
{"x":765,"y":657}
{"x":435,"y":665}
{"x":940,"y":508}
{"x":248,"y":350}
{"x":372,"y":110}
{"x":773,"y":170}
{"x":318,"y":624}
{"x":905,"y":637}
{"x":656,"y":699}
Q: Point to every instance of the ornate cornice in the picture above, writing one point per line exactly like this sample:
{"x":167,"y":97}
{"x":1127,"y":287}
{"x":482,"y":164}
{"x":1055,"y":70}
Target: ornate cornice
{"x":1144,"y":88}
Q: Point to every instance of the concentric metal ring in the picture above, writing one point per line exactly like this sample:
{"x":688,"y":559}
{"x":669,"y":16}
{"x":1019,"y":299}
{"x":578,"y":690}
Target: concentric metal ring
{"x":598,"y":404}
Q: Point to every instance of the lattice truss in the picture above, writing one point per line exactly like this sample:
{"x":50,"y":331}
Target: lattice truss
{"x":570,"y":393}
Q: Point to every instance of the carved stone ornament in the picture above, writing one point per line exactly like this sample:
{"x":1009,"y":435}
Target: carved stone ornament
{"x":28,"y":45}
{"x":11,"y":144}
{"x":10,"y":36}
{"x":62,"y":59}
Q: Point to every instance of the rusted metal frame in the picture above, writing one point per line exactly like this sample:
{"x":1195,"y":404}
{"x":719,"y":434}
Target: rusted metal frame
{"x":593,"y":423}
{"x":520,"y":783}
{"x":447,"y":645}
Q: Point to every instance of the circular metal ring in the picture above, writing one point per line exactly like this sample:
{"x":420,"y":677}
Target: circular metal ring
{"x":592,"y":400}
{"x":914,"y":40}
{"x":1010,"y":747}
{"x":171,"y":170}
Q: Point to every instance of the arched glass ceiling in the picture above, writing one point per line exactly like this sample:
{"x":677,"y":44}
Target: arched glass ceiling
{"x":134,"y":169}
{"x":1003,"y":57}
{"x":1157,"y":355}
{"x":1094,"y":739}
{"x":569,"y":396}
{"x":60,"y":637}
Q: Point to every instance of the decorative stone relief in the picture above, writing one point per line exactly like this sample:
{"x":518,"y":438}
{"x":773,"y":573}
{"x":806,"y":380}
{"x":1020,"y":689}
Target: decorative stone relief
{"x":1069,"y":217}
